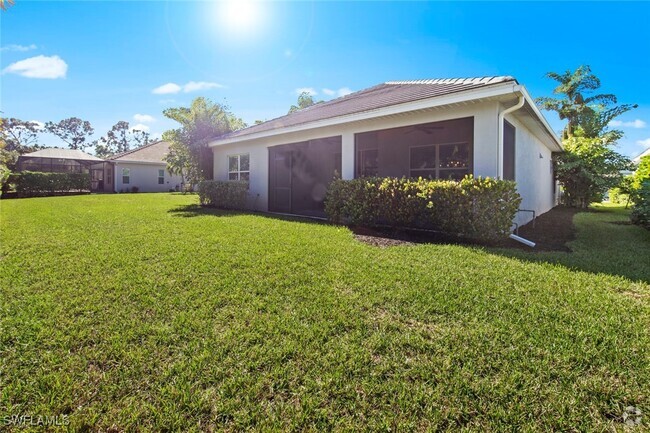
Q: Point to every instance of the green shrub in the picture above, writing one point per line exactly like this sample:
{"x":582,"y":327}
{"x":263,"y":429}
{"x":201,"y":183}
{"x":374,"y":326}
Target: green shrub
{"x":473,"y":207}
{"x":32,"y":183}
{"x":641,"y":211}
{"x":222,"y":194}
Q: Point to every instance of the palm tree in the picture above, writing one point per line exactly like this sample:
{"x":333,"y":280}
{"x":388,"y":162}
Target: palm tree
{"x":575,"y":104}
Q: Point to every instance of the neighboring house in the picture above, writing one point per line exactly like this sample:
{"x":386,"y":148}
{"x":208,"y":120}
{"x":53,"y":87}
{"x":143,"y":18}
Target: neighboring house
{"x":69,"y":161}
{"x":442,"y":128}
{"x":637,"y":159}
{"x":145,"y":169}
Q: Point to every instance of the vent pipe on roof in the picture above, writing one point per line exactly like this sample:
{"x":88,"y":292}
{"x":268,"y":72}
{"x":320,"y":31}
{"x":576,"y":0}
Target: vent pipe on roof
{"x":502,"y":115}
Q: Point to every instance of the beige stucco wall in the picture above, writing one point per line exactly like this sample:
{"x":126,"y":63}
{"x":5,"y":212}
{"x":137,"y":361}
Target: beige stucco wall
{"x":145,"y":177}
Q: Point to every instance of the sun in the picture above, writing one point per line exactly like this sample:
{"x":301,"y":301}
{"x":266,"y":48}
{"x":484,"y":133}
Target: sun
{"x":241,"y":17}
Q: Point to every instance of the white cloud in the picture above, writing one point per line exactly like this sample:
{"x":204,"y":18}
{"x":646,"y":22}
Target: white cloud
{"x":190,"y":86}
{"x":143,"y":118}
{"x":338,"y":93}
{"x":343,"y":91}
{"x":39,"y":67}
{"x":166,"y":89}
{"x":140,"y":127}
{"x":637,"y":123}
{"x":194,"y":86}
{"x":21,"y":48}
{"x":39,"y":125}
{"x":644,"y":143}
{"x":310,"y":90}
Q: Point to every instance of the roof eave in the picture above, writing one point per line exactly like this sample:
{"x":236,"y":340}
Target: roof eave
{"x":541,"y":119}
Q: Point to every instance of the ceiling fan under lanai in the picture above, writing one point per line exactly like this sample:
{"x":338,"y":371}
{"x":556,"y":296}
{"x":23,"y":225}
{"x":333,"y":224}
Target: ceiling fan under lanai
{"x":427,"y":129}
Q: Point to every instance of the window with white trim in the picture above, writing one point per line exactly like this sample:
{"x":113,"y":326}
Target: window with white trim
{"x":161,"y":176}
{"x":239,"y":167}
{"x":126,"y":176}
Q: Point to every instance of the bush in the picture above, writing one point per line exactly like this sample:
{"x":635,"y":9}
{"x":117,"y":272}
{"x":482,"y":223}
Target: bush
{"x":32,"y":183}
{"x":135,"y":189}
{"x":222,"y":194}
{"x":473,"y":207}
{"x":641,"y":211}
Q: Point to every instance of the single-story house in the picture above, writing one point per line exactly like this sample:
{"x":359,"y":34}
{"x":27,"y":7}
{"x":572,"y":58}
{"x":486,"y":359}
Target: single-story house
{"x":440,"y":128}
{"x":54,"y":160}
{"x":145,"y":169}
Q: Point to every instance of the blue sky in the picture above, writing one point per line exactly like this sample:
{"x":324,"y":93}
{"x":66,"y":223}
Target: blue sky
{"x":123,"y":60}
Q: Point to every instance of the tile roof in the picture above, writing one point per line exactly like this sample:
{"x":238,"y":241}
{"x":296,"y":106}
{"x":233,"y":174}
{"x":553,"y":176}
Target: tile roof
{"x":57,"y":153}
{"x":152,"y":152}
{"x":380,"y":96}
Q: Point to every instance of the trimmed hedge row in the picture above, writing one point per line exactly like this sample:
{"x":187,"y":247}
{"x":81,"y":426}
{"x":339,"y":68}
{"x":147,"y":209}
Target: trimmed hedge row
{"x":34,"y":183}
{"x":478,"y":208}
{"x":223,"y":194}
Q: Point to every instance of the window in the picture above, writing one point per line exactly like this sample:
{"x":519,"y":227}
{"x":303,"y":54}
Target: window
{"x":423,"y":161}
{"x":440,"y":161}
{"x":161,"y":177}
{"x":239,"y":167}
{"x":126,"y":176}
{"x":368,"y":162}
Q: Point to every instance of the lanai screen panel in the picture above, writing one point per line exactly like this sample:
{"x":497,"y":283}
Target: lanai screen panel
{"x":299,"y":174}
{"x":437,"y":150}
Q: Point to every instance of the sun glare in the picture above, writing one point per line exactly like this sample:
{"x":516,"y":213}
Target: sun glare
{"x":241,"y":17}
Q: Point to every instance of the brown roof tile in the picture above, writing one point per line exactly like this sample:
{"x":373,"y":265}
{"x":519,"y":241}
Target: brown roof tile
{"x":380,"y":96}
{"x":152,"y":152}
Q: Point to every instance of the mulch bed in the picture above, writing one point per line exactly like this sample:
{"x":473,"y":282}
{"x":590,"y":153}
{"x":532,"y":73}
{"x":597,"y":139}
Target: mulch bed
{"x":551,"y":232}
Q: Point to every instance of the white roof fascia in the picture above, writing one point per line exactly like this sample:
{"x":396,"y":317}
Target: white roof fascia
{"x":436,"y":101}
{"x":540,"y":117}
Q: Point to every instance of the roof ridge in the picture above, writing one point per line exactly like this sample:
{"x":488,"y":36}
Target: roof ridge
{"x":130,"y":151}
{"x":466,"y":80}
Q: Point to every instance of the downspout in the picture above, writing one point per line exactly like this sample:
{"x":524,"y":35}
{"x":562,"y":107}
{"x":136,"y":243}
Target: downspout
{"x":500,"y":139}
{"x":500,"y":136}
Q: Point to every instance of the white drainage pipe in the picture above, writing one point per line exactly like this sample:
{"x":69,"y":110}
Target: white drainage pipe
{"x":522,"y":240}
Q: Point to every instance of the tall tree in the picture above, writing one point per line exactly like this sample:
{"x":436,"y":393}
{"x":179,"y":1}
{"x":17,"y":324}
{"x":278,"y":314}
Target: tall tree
{"x":72,"y":131}
{"x":16,"y":138}
{"x":578,"y":106}
{"x":20,"y":136}
{"x":199,"y":123}
{"x":305,"y":99}
{"x":120,"y":138}
{"x":587,"y":168}
{"x":589,"y":165}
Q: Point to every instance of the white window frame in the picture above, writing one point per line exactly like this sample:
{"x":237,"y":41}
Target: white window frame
{"x":438,"y":170}
{"x":239,"y":171}
{"x":161,"y":177}
{"x":126,"y":176}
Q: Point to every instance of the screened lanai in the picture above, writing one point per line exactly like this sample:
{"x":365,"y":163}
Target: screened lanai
{"x":69,"y":161}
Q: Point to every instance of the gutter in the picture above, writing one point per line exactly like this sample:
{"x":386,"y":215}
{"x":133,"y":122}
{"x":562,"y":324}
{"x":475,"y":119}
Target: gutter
{"x":500,"y":135}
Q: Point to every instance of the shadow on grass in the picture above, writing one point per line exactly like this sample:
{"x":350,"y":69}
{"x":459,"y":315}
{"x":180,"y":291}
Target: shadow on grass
{"x":605,"y":243}
{"x":596,"y":241}
{"x":196,"y":210}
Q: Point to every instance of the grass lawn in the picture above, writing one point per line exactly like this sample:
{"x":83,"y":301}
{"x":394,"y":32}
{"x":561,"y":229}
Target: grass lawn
{"x":140,"y":312}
